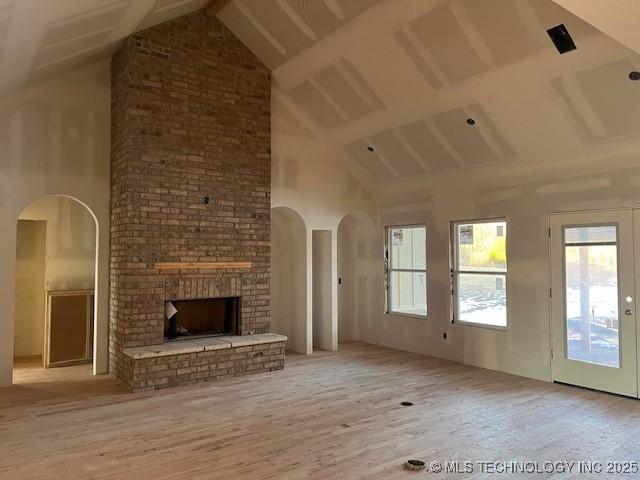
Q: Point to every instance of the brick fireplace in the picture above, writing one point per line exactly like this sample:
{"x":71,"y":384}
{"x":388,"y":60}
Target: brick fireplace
{"x":190,"y":201}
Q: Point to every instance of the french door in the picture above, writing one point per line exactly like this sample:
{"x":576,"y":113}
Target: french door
{"x":593,"y":295}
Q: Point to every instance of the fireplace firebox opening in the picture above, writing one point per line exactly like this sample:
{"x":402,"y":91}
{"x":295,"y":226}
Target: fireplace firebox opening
{"x":201,"y":317}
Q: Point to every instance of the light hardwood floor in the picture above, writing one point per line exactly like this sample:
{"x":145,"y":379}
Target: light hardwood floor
{"x":330,"y":415}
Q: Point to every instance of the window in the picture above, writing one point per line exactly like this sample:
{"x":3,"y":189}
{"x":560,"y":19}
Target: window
{"x":406,"y":262}
{"x":479,"y":272}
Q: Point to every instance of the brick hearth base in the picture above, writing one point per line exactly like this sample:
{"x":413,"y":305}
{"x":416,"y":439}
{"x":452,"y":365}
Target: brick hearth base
{"x":205,"y":359}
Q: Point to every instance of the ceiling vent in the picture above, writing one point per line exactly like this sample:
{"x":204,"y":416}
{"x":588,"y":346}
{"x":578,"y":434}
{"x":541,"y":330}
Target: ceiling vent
{"x":561,"y":38}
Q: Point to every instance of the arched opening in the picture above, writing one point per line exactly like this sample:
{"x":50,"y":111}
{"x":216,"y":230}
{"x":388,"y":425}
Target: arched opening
{"x":359,"y":275}
{"x":289,"y":277}
{"x":55,"y":319}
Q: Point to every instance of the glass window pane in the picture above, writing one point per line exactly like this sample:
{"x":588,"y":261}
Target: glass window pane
{"x":408,"y":292}
{"x":600,"y":234}
{"x":408,"y":248}
{"x":591,"y":279}
{"x":482,"y":299}
{"x":482,"y":246}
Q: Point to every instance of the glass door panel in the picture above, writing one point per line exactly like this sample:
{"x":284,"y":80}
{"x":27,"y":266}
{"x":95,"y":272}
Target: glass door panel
{"x":593,"y":319}
{"x":591,"y":294}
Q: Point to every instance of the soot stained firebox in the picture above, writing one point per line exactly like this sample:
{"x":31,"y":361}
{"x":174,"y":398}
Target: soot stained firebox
{"x":201,"y":317}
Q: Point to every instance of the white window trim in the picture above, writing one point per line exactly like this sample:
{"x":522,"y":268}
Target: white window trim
{"x":453,"y":262}
{"x":388,"y":270}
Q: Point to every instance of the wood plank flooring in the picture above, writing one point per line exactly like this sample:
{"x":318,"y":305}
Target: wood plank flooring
{"x":333,"y":415}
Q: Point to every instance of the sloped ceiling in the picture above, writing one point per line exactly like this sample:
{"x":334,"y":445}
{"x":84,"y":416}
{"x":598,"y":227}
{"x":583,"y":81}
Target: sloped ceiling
{"x":402,"y":75}
{"x":405,"y":75}
{"x":46,"y":37}
{"x":618,"y":19}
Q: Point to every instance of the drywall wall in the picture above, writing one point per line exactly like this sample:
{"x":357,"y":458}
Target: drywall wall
{"x":315,"y":181}
{"x":525,"y":196}
{"x":71,"y":242}
{"x":54,"y":140}
{"x":30,"y":288}
{"x":323,"y":336}
{"x":360,"y":270}
{"x":288,"y":278}
{"x":405,"y":76}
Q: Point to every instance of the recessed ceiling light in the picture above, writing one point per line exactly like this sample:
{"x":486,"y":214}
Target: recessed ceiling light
{"x":471,"y":121}
{"x":635,"y":76}
{"x":371,"y":147}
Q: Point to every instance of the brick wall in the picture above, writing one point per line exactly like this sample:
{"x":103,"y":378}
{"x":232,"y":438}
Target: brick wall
{"x":190,"y":118}
{"x":174,"y":370}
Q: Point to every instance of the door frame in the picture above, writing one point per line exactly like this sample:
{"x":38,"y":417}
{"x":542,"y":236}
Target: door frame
{"x":586,"y":374}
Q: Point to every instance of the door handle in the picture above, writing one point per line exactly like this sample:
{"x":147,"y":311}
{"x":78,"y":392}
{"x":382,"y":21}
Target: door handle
{"x":628,"y":311}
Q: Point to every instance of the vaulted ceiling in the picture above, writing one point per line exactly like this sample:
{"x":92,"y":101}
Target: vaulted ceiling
{"x":403,"y":76}
{"x":44,"y":37}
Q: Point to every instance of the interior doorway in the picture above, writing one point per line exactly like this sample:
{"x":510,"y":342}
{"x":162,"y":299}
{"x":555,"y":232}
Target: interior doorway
{"x":593,"y":296}
{"x":322,"y":290}
{"x":55,"y":286}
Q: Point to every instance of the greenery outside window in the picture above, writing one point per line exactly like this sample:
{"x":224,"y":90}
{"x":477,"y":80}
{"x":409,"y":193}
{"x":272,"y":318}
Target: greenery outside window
{"x":479,"y":273}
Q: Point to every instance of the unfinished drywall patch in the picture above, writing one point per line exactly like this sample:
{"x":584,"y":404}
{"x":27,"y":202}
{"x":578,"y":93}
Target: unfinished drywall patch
{"x":404,"y":159}
{"x":367,"y":158}
{"x":471,"y":142}
{"x":442,"y":35}
{"x":317,"y":106}
{"x":503,"y":29}
{"x":278,"y":31}
{"x":422,"y":60}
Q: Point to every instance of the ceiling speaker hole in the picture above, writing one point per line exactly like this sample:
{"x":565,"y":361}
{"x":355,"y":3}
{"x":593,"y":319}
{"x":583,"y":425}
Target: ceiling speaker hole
{"x":561,"y":38}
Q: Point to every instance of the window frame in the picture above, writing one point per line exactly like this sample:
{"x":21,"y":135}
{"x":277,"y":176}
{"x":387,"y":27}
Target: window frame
{"x":388,"y":270}
{"x":455,"y":272}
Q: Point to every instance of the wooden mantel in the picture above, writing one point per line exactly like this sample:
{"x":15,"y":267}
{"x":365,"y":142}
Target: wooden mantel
{"x":202,"y":265}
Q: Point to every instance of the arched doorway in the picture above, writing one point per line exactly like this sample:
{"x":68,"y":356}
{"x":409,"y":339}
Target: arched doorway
{"x":55,"y":319}
{"x":289,"y":277}
{"x":359,"y":276}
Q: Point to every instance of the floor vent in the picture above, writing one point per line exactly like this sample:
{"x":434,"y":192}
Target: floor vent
{"x":416,"y":465}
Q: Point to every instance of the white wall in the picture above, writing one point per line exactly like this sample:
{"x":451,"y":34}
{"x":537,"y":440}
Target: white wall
{"x":71,"y":242}
{"x":323,"y":330}
{"x":55,"y":140}
{"x":316,"y":182}
{"x":360,"y":295}
{"x":525,"y":196}
{"x":288,"y":278}
{"x":523,"y":193}
{"x":30,"y":287}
